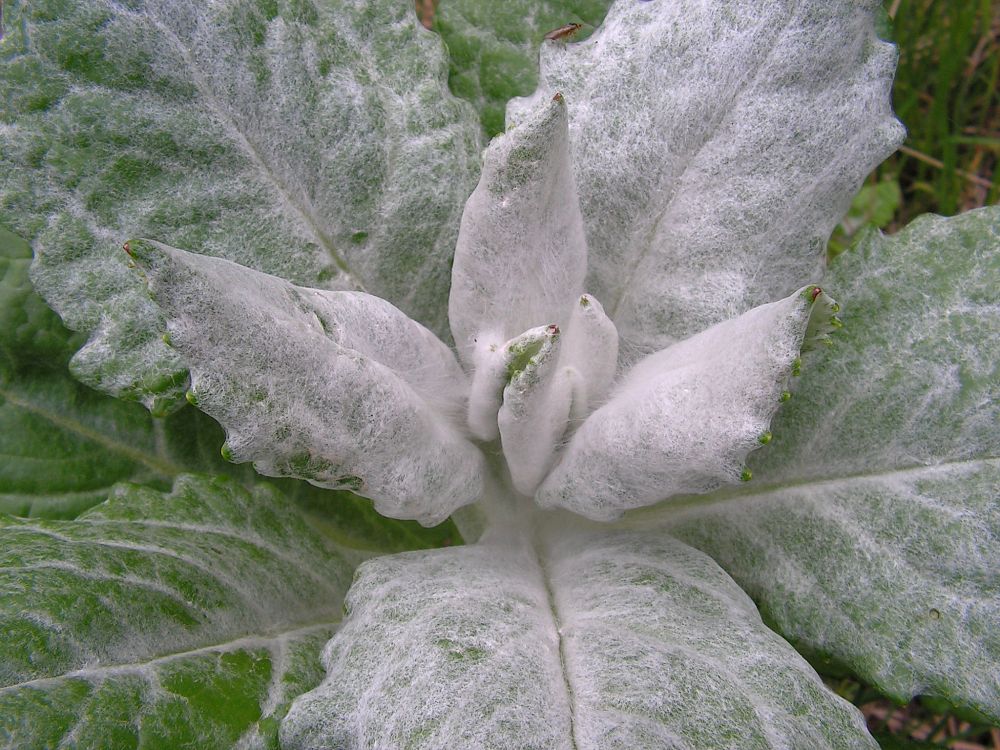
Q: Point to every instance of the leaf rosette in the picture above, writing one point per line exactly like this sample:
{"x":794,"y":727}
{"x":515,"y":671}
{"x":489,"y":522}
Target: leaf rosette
{"x":634,"y":297}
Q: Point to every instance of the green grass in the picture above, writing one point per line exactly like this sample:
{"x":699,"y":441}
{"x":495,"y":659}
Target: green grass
{"x":946,"y":95}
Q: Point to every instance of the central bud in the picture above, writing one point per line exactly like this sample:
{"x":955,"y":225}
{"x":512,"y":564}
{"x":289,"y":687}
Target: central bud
{"x":527,"y":390}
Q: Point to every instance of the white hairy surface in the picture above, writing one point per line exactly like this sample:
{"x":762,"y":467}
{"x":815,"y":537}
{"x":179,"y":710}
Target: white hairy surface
{"x":451,"y":648}
{"x":909,"y":558}
{"x":715,"y":146}
{"x":684,"y":419}
{"x":530,"y":638}
{"x":492,"y":373}
{"x":590,"y":349}
{"x":339,"y":388}
{"x":536,"y":405}
{"x":521,"y":255}
{"x":315,"y":140}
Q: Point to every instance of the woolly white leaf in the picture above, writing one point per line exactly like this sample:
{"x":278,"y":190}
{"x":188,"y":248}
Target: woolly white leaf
{"x":684,"y":419}
{"x":521,"y":255}
{"x":584,"y":640}
{"x":339,"y":388}
{"x":315,"y":140}
{"x":715,"y":148}
{"x":590,"y":349}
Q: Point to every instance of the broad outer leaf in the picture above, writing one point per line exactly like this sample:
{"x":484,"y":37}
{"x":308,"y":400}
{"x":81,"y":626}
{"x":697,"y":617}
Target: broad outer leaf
{"x":312,"y":140}
{"x":97,"y":609}
{"x":684,"y":419}
{"x":494,"y":46}
{"x":339,"y":388}
{"x":875,"y":538}
{"x":589,"y":640}
{"x":715,"y":147}
{"x":64,"y":446}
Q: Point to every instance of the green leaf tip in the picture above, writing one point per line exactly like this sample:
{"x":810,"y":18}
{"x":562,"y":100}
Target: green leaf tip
{"x":785,"y":396}
{"x":193,"y":400}
{"x":351,"y":482}
{"x":746,"y":475}
{"x":797,"y":367}
{"x":765,"y":437}
{"x":227,"y":453}
{"x":523,"y":353}
{"x":162,"y":407}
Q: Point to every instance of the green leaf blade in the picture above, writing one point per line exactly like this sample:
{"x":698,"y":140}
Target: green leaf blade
{"x":493,"y":49}
{"x":209,"y":698}
{"x":182,"y":571}
{"x":188,"y":619}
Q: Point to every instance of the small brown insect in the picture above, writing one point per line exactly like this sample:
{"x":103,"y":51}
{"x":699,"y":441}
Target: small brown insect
{"x":563,"y":32}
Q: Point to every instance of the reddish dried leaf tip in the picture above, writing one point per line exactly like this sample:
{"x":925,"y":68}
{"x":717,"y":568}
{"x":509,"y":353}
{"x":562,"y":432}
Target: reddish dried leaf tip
{"x":816,"y":292}
{"x":127,"y":249}
{"x":553,"y":329}
{"x":563,"y":32}
{"x":558,"y":97}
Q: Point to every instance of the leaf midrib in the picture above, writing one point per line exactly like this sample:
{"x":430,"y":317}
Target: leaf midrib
{"x":253,"y":153}
{"x":556,"y":623}
{"x":721,"y":497}
{"x":644,"y":252}
{"x":159,"y":465}
{"x":264,"y":640}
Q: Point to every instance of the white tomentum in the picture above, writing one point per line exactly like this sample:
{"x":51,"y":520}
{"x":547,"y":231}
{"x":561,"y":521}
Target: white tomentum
{"x":583,"y":423}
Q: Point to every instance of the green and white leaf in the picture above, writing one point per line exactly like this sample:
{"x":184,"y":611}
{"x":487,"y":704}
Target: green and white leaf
{"x":715,"y":151}
{"x":125,"y":610}
{"x":215,"y":698}
{"x":493,"y":47}
{"x":584,"y":640}
{"x":312,"y":140}
{"x":683,"y":420}
{"x":65,"y":446}
{"x":338,"y":388}
{"x":874,"y":539}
